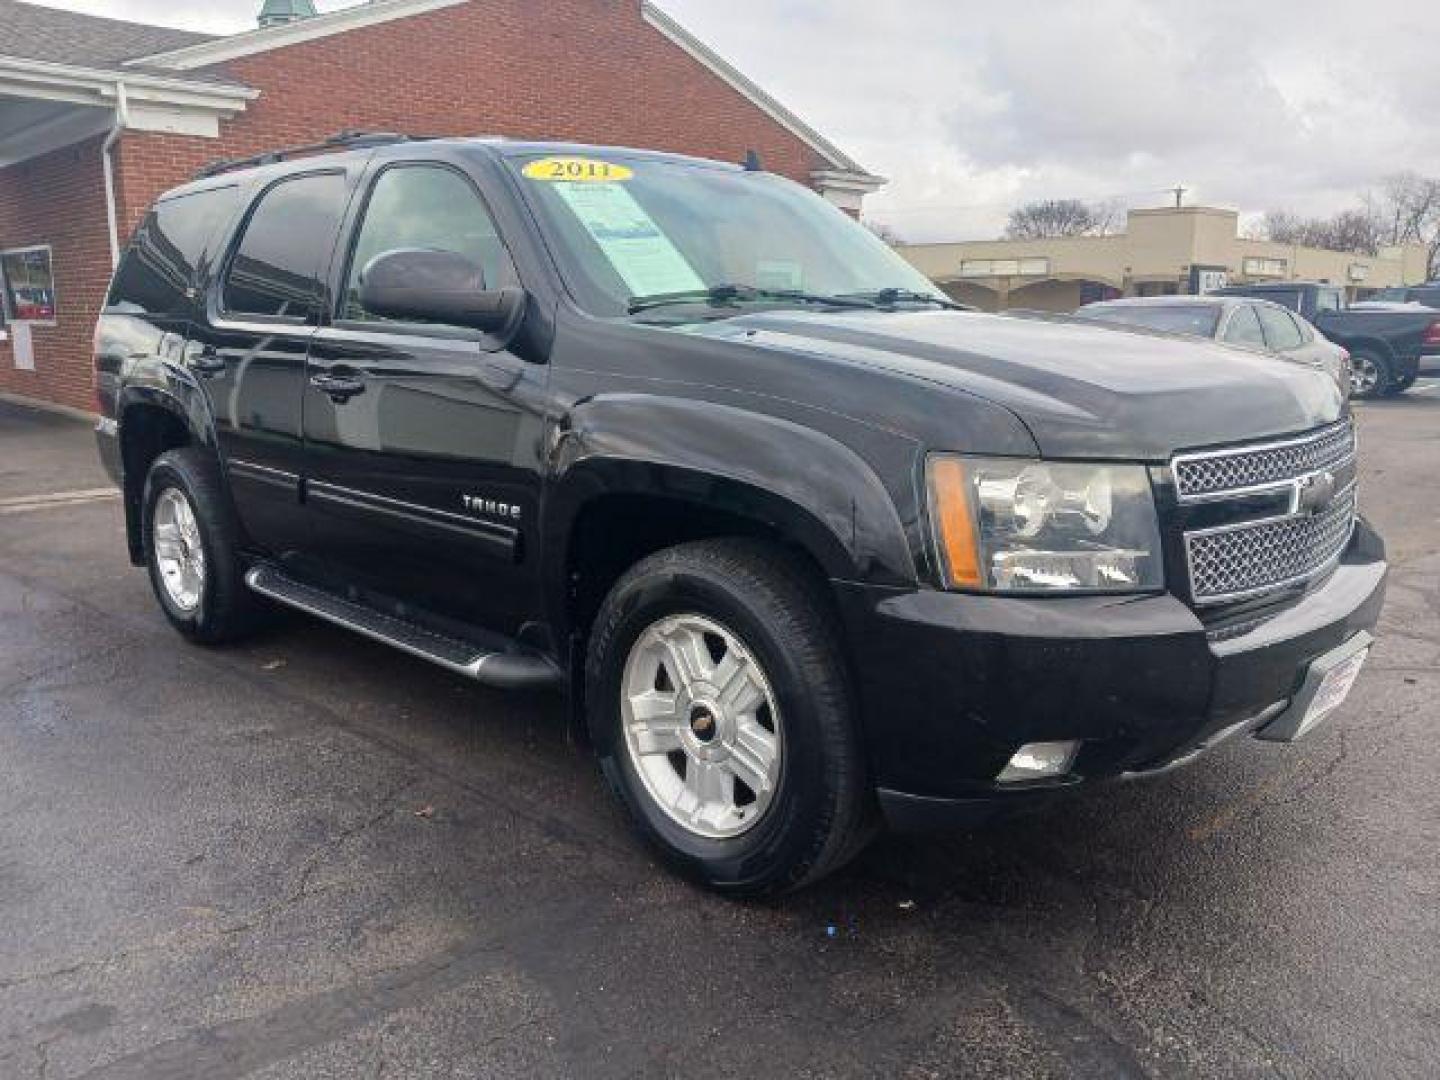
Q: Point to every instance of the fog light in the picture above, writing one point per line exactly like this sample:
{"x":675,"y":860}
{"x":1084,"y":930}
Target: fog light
{"x":1037,"y":760}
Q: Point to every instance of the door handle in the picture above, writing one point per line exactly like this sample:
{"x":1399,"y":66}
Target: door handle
{"x":207,"y":362}
{"x":338,"y":388}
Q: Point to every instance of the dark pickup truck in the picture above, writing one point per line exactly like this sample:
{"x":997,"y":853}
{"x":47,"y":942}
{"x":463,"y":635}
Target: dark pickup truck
{"x":1385,"y":346}
{"x":1427,"y":294}
{"x":807,"y":547}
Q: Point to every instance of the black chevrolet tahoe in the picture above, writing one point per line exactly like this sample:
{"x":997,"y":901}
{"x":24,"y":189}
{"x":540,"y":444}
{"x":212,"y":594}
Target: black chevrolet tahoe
{"x":807,"y":546}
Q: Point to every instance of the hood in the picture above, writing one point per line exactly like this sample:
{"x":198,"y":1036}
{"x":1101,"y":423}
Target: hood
{"x":1083,"y":389}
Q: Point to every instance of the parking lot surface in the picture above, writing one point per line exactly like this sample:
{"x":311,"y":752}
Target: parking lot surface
{"x":313,"y":857}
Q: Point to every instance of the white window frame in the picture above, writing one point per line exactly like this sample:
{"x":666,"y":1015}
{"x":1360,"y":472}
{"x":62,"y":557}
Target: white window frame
{"x":10,"y":316}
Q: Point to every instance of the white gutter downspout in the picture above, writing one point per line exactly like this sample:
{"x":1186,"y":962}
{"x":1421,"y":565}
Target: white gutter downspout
{"x":122,"y":121}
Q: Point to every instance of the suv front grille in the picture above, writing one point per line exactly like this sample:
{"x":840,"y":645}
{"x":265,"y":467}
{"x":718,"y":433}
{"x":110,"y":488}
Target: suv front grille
{"x":1243,"y":560}
{"x":1251,"y":557}
{"x":1217,"y":474}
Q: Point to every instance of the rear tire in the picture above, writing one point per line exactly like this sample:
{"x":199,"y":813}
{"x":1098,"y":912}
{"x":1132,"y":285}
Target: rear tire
{"x":189,"y":533}
{"x":1370,"y":374}
{"x":745,"y":614}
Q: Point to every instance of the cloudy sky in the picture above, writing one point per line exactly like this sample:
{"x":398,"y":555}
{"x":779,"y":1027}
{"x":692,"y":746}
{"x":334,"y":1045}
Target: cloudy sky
{"x":970,"y":108}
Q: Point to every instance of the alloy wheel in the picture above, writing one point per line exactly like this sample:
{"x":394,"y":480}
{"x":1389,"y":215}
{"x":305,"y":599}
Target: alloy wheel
{"x":179,"y":554}
{"x":1364,"y":375}
{"x":702,"y":727}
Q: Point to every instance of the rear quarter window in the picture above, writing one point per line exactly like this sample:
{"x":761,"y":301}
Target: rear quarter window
{"x":177,"y":238}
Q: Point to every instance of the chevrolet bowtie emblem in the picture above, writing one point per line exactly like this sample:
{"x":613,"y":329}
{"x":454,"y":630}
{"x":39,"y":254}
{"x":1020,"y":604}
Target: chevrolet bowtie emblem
{"x":1314,"y":493}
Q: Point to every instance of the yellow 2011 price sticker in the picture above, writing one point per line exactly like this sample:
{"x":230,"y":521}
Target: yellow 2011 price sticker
{"x":577,"y":170}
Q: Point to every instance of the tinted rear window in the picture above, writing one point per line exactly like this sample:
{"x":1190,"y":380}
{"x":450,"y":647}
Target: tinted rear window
{"x":1196,"y":319}
{"x":285,"y":248}
{"x":176,"y":238}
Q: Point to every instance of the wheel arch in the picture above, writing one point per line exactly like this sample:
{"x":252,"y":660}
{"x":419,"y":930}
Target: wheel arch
{"x":152,"y":421}
{"x":634,"y":474}
{"x":1373,"y":344}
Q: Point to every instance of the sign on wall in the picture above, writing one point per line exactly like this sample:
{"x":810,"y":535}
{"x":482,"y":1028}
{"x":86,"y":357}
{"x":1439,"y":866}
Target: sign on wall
{"x":22,"y":348}
{"x":1206,"y":279}
{"x":28,"y":281}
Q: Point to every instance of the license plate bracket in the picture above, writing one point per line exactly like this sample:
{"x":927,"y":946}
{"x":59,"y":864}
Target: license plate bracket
{"x":1327,"y":684}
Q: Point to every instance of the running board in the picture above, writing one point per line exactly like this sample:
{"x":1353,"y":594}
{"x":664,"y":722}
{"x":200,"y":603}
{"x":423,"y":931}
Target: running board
{"x":502,"y":669}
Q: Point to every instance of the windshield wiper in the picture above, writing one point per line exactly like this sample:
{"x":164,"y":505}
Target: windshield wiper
{"x":719,"y":295}
{"x":891,"y":297}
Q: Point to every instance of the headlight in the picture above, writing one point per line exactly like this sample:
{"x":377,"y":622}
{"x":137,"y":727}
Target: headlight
{"x":1008,"y":525}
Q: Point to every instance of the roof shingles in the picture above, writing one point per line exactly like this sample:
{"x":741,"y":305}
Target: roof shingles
{"x":32,"y":32}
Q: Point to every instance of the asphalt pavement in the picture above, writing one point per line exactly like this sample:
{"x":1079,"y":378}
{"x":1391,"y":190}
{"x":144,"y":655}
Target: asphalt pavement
{"x":314,"y":857}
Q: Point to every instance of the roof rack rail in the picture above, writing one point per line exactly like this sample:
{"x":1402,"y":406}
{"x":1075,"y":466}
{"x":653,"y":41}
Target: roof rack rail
{"x":352,"y":139}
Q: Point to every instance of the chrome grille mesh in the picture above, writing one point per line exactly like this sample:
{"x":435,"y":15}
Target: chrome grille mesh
{"x":1235,"y":470}
{"x":1248,"y":559}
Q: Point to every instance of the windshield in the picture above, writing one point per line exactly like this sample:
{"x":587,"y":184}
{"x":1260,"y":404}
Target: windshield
{"x":1197,"y":319}
{"x":629,"y":229}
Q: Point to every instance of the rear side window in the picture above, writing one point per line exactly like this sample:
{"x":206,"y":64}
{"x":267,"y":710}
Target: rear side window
{"x":1195,"y":319}
{"x":285,"y":247}
{"x":1281,"y":333}
{"x":1244,"y":328}
{"x":176,"y":238}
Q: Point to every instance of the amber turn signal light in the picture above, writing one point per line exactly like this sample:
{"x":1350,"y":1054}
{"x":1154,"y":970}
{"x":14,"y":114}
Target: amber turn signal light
{"x":954,"y":523}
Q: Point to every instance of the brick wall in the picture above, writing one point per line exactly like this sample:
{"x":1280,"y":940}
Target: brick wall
{"x":586,"y":70}
{"x":59,"y":199}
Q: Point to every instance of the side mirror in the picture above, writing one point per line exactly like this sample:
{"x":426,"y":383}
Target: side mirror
{"x":425,"y":285}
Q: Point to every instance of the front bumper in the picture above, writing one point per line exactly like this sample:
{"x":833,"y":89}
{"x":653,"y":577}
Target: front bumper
{"x":952,"y":685}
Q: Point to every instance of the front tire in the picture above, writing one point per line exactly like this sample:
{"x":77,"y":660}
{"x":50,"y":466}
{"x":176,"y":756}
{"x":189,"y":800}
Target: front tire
{"x":190,"y":549}
{"x":720,"y":709}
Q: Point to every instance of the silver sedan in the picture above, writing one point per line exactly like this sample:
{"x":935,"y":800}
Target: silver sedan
{"x":1251,"y":324}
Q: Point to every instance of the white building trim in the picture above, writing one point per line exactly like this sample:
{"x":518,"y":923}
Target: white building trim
{"x":845,"y":189}
{"x":156,"y":103}
{"x":49,"y":81}
{"x":291,"y":33}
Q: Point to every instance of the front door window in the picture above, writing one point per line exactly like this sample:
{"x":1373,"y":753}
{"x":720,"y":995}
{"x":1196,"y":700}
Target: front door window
{"x":430,"y":207}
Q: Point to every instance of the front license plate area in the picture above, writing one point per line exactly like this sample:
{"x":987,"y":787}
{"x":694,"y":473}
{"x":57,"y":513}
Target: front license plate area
{"x":1327,"y":685}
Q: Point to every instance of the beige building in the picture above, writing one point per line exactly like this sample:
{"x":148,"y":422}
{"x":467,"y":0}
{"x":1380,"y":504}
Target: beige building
{"x":1170,"y":250}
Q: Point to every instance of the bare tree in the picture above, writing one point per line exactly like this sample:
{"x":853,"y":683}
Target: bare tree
{"x":1059,"y":217}
{"x":1359,"y":231}
{"x":1404,"y":208}
{"x":1109,"y":216}
{"x":1283,"y":227}
{"x":1407,"y":205}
